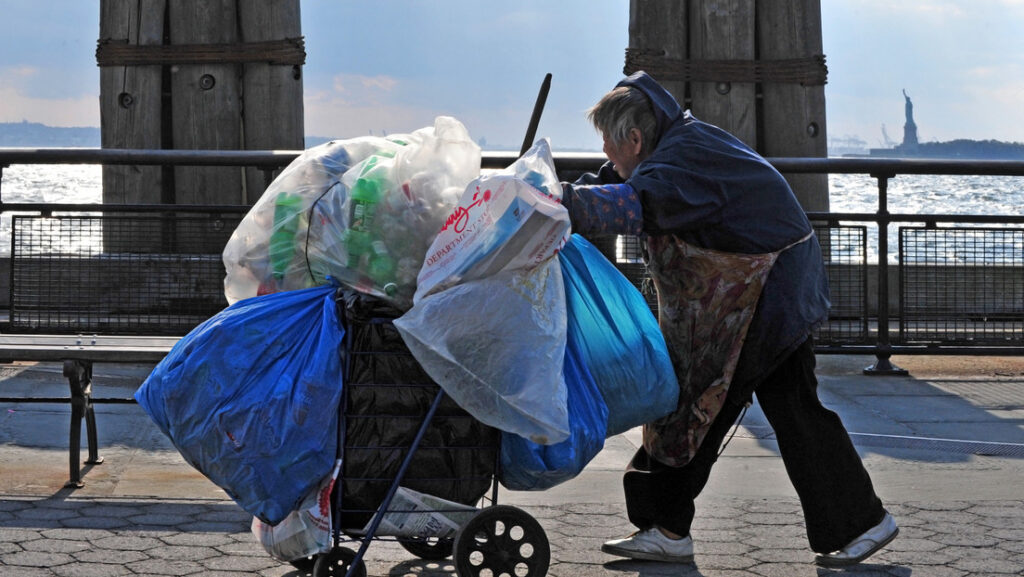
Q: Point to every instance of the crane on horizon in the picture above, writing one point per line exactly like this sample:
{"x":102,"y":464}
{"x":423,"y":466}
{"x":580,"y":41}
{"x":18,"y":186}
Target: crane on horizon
{"x":888,"y":142}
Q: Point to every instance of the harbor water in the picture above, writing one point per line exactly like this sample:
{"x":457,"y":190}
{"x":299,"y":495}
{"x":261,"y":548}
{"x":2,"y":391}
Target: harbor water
{"x":848,"y":193}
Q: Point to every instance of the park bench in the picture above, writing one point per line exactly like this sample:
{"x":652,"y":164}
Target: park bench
{"x":109,"y":288}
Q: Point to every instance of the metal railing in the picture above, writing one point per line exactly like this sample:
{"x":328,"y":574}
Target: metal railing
{"x":1007,"y":315}
{"x":973,"y":305}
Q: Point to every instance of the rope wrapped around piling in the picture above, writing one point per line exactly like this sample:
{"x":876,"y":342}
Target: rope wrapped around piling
{"x":804,"y":71}
{"x":289,"y":51}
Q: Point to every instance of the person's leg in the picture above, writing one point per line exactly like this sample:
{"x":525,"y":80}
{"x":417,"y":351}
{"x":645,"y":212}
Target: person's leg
{"x":662,"y":496}
{"x":835,"y":490}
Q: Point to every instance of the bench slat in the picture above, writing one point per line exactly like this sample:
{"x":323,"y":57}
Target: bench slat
{"x":98,"y":348}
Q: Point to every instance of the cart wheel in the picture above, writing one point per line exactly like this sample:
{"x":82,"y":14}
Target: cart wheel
{"x":428,"y":549}
{"x":338,"y":562}
{"x":304,"y":564}
{"x":501,"y":540}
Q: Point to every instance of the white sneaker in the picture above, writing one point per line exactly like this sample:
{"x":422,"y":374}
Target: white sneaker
{"x":862,"y":547}
{"x":652,"y":545}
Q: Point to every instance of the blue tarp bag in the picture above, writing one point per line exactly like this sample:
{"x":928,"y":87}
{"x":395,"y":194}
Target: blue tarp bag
{"x":528,"y":466}
{"x":619,"y":339}
{"x":250,"y":398}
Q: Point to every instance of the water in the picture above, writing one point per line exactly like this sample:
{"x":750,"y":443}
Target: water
{"x":908,"y":194}
{"x":930,"y":194}
{"x":68,"y":183}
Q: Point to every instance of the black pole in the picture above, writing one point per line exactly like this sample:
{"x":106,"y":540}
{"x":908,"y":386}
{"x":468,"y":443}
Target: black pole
{"x":883,"y":366}
{"x":538,"y":108}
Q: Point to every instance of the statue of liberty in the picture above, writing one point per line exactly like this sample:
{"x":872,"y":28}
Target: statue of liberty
{"x":909,"y":129}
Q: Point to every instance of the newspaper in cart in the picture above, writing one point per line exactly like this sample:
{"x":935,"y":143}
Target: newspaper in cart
{"x":415,"y":514}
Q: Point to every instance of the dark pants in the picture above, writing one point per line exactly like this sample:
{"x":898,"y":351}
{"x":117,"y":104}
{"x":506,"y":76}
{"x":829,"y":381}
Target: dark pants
{"x":835,"y":491}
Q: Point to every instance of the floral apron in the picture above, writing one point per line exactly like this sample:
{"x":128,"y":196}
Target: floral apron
{"x":706,"y":300}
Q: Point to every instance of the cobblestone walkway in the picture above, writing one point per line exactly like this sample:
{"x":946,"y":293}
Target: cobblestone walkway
{"x":71,"y":536}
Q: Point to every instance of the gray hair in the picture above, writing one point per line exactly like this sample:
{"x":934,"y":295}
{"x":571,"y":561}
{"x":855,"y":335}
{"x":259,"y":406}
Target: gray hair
{"x":621,"y":110}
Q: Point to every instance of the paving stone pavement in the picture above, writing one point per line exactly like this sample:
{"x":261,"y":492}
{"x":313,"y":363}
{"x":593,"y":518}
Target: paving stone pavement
{"x":66,"y":536}
{"x":957,"y":494}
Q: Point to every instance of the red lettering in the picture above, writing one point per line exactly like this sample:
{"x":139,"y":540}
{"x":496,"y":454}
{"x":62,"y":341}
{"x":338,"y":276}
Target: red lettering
{"x":460,"y":216}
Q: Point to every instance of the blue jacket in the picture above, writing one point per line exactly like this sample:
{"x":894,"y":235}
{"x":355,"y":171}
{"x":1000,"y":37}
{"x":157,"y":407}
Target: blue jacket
{"x":711,"y":190}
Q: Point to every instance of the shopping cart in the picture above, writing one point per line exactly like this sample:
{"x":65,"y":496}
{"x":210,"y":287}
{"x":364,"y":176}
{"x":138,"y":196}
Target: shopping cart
{"x":416,"y":468}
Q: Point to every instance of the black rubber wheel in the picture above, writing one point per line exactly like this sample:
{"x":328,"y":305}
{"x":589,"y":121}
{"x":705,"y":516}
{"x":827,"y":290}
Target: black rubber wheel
{"x":429,"y":549}
{"x":305,"y":564}
{"x":338,"y":562}
{"x":502,"y":540}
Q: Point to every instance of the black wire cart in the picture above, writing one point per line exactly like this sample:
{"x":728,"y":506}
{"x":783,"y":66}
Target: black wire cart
{"x":400,"y":434}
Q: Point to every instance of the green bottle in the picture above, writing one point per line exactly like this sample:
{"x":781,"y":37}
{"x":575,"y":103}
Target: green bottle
{"x":282,"y":238}
{"x":364,"y":197}
{"x":381,"y":268}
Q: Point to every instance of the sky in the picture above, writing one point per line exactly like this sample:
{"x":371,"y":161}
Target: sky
{"x":391,"y":66}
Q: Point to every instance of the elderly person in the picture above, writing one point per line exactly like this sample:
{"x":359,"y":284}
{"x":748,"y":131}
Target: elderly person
{"x":740,"y":284}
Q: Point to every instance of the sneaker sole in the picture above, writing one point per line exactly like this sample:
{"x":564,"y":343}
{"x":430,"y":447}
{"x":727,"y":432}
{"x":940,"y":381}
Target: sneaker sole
{"x":825,"y":561}
{"x":645,"y":556}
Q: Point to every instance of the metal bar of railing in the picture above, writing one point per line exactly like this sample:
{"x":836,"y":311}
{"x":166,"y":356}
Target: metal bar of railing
{"x":51,"y":207}
{"x":882,"y":169}
{"x":882,"y":365}
{"x":923,"y":217}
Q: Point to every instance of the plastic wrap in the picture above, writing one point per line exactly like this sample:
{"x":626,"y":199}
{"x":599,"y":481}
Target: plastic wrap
{"x":363,"y":211}
{"x":508,"y":220}
{"x":488,"y":322}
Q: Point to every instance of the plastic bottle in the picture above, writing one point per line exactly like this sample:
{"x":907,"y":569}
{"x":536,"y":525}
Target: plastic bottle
{"x":382,"y":267}
{"x":282,"y":239}
{"x":364,"y":197}
{"x":357,"y":245}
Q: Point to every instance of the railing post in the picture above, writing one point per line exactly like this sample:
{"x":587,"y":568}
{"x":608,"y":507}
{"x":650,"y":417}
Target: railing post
{"x":883,"y":351}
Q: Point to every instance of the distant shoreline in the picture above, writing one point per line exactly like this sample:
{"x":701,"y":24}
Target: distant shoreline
{"x":35,"y":134}
{"x":26,"y":133}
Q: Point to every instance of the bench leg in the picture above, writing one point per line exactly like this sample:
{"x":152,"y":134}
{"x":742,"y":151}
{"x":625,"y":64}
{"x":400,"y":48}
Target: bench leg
{"x":79,"y":375}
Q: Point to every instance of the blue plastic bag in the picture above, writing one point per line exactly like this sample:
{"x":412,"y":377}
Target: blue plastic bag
{"x":250,"y":398}
{"x":619,"y":339}
{"x":528,"y":466}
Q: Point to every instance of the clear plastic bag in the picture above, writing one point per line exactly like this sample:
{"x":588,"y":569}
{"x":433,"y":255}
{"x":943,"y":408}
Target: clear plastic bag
{"x":489,"y":320}
{"x":510,"y":219}
{"x":496,"y":346}
{"x":363,"y":211}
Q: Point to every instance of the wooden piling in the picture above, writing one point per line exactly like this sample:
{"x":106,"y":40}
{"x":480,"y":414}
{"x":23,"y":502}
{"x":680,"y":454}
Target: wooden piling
{"x":198,"y":74}
{"x":273,"y":114}
{"x":206,"y":105}
{"x":724,"y":30}
{"x":661,"y":26}
{"x":130,"y":100}
{"x":794,"y":113}
{"x":755,"y":69}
